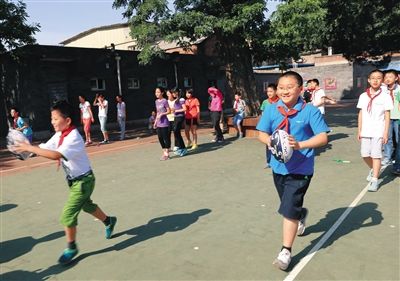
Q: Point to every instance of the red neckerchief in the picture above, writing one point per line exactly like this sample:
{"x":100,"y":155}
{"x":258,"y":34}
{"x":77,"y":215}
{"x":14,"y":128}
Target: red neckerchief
{"x":273,"y":100}
{"x":64,"y":133}
{"x":391,"y":92}
{"x":313,"y":94}
{"x":15,"y":122}
{"x":285,"y":122}
{"x":371,"y":98}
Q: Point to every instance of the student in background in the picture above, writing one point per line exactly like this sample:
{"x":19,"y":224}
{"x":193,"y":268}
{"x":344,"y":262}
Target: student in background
{"x":102,"y":103}
{"x":20,"y":125}
{"x":192,"y":118}
{"x":373,"y":125}
{"x":391,"y":81}
{"x":86,"y":118}
{"x":121,"y":115}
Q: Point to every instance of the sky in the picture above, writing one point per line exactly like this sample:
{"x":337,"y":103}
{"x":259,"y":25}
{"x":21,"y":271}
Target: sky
{"x":62,"y":19}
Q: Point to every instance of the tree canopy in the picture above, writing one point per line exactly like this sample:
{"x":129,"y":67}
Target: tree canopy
{"x":14,"y":31}
{"x":237,"y":26}
{"x":354,"y":28}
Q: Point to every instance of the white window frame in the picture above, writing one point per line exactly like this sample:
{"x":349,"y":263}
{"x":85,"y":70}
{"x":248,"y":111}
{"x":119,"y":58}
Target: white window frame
{"x":265,"y":86}
{"x":187,"y":82}
{"x":162,"y":82}
{"x":97,"y":88}
{"x":133,"y":83}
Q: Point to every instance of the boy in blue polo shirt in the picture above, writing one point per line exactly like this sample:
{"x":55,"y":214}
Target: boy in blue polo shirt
{"x":307,"y":130}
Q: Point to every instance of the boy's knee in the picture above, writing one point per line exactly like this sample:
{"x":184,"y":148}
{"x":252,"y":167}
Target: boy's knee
{"x":68,"y":220}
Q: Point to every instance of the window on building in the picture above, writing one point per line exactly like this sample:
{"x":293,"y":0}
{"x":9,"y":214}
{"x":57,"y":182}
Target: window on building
{"x":162,"y":82}
{"x":265,"y":86}
{"x":97,"y":84}
{"x":133,"y":83}
{"x":187,"y":82}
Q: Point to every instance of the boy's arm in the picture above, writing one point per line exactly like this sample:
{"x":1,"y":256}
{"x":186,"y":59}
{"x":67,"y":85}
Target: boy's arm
{"x":387,"y":125}
{"x":316,"y":141}
{"x":359,"y":124}
{"x":264,"y":138}
{"x":50,"y":154}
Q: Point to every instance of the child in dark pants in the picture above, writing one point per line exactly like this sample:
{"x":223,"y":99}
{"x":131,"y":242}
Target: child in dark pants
{"x":67,"y":147}
{"x":307,"y":129}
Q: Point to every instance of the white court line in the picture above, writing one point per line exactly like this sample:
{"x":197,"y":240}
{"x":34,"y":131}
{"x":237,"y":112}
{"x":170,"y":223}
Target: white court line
{"x":89,"y":153}
{"x":299,"y":267}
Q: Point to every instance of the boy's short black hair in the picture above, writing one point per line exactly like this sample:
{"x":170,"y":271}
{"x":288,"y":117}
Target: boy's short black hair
{"x":395,"y":72}
{"x":272,"y":85}
{"x":374,"y":71}
{"x":316,"y":81}
{"x":65,"y":109}
{"x":190,"y":91}
{"x":293,"y":74}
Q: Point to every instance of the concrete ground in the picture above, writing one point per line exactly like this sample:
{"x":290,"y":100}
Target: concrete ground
{"x":210,"y":215}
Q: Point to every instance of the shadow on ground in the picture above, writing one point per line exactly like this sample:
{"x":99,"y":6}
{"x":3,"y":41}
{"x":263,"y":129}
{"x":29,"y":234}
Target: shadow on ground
{"x":364,"y":215}
{"x":154,"y":228}
{"x":7,"y":207}
{"x":12,"y":249}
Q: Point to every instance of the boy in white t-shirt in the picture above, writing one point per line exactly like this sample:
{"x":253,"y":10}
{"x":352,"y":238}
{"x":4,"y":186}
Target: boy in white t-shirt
{"x":67,"y":147}
{"x":373,"y":125}
{"x":318,"y":96}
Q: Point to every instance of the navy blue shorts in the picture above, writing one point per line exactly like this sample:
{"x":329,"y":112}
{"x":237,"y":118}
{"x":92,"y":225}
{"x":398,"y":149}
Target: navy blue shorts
{"x":291,"y":190}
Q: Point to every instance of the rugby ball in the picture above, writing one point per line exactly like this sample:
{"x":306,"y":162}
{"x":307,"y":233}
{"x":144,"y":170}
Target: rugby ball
{"x":280,"y":147}
{"x":13,"y":138}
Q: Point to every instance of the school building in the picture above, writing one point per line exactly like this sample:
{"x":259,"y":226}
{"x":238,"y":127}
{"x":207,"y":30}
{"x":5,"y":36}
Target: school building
{"x":45,"y":74}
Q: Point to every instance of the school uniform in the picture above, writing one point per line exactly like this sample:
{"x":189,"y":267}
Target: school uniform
{"x":292,"y":179}
{"x":79,"y":175}
{"x":373,"y":121}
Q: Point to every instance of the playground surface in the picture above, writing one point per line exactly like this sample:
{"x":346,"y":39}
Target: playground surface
{"x":210,"y":215}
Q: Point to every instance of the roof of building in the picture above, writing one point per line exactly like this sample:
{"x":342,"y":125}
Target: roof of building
{"x":92,"y":30}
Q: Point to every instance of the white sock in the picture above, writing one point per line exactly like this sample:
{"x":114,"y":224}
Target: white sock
{"x":374,"y":179}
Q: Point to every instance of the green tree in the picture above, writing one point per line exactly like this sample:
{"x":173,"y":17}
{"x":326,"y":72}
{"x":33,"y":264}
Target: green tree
{"x":237,"y":26}
{"x":296,"y":26}
{"x":363,"y":28}
{"x":352,"y":27}
{"x":14,"y":31}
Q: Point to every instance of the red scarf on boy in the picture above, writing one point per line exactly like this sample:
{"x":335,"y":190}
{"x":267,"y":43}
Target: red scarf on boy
{"x":64,"y":133}
{"x":371,"y":98}
{"x":286,"y":114}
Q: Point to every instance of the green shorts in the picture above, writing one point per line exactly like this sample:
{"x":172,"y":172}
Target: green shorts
{"x":78,"y":199}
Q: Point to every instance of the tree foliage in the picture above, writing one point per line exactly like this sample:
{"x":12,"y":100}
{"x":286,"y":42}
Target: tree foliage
{"x":237,"y":26}
{"x":296,"y":26}
{"x":362,"y":28}
{"x":352,"y":27}
{"x":14,"y":31}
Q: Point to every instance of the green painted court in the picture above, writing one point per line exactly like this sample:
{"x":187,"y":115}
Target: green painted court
{"x":210,"y":215}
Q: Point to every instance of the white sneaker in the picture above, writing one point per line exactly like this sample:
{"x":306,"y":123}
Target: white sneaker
{"x":175,"y":148}
{"x":283,"y":259}
{"x":373,"y":186}
{"x":370,"y":175}
{"x":301,"y":227}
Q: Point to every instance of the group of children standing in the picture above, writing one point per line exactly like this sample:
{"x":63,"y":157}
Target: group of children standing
{"x":86,"y":116}
{"x":171,"y":116}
